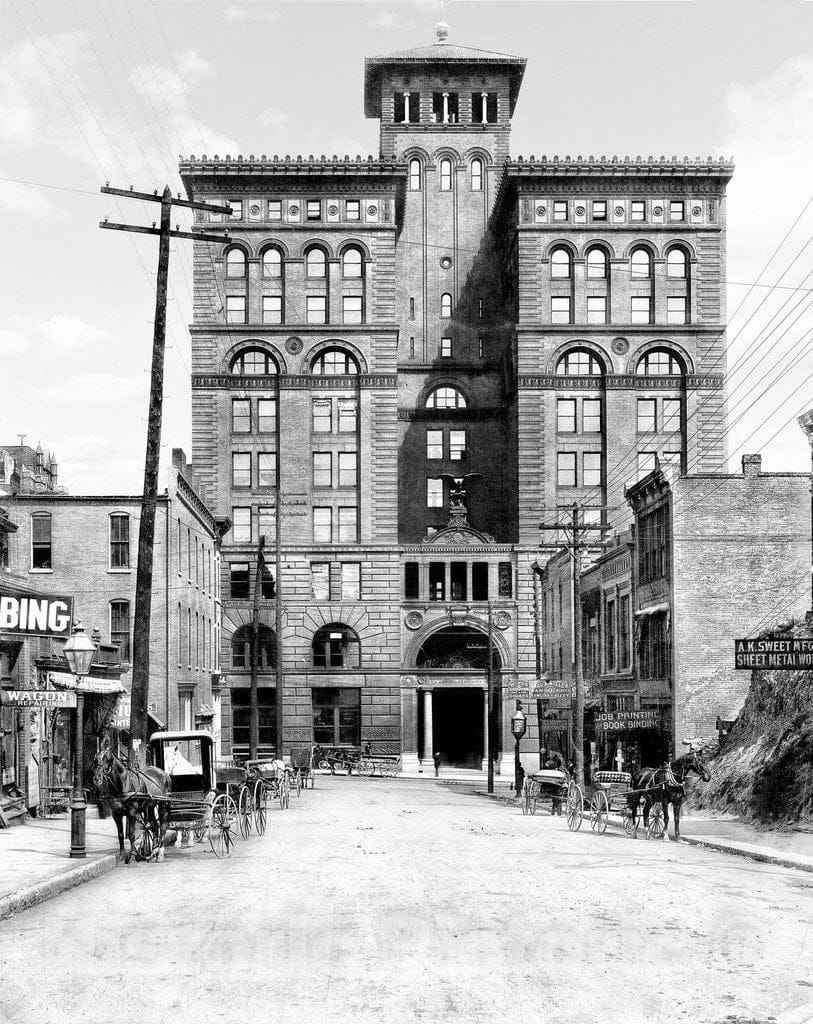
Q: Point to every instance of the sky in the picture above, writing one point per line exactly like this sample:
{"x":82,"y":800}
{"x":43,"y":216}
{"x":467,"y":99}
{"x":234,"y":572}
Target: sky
{"x":115,"y":91}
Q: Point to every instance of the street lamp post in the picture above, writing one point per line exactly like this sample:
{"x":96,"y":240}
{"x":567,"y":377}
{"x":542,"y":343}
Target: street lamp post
{"x":79,"y":651}
{"x":518,"y":727}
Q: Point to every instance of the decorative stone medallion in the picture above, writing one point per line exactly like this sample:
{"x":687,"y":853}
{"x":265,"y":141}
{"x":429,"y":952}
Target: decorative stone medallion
{"x":294,"y":346}
{"x":254,"y":210}
{"x":658,"y":211}
{"x":541,"y":211}
{"x":502,"y":620}
{"x":619,"y":211}
{"x":414,"y":620}
{"x":620,"y":346}
{"x":446,"y":262}
{"x":372,"y":211}
{"x":580,"y":211}
{"x":696,"y":211}
{"x":332,"y":210}
{"x":294,"y":210}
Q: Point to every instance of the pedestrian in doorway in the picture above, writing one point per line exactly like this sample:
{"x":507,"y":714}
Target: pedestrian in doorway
{"x":436,"y":759}
{"x":520,"y":779}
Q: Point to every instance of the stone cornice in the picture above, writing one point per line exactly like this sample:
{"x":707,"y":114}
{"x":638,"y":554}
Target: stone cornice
{"x":312,"y":166}
{"x":693,"y":382}
{"x":314,"y":382}
{"x":469,"y":413}
{"x":615,"y":166}
{"x":330,"y":331}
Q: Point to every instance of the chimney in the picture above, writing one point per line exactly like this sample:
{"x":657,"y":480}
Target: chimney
{"x":751,"y":465}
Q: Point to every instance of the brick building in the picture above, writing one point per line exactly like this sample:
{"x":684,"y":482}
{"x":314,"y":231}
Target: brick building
{"x":25,"y":470}
{"x":378,"y":330}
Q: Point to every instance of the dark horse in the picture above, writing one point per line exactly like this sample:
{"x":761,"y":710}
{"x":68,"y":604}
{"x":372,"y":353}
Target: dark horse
{"x":132,"y":793}
{"x":665,"y":785}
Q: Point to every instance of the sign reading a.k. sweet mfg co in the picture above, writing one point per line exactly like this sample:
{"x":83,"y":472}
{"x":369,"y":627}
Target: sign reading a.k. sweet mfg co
{"x":35,"y":614}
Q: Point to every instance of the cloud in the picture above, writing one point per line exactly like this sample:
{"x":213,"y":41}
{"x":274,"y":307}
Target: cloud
{"x":242,"y":14}
{"x":273,"y":120}
{"x":26,"y":201}
{"x":63,"y":334}
{"x":91,"y":390}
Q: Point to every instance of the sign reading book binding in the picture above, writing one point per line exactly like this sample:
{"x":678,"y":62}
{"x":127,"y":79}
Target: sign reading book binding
{"x":615,"y":721}
{"x":788,"y":653}
{"x":33,"y":614}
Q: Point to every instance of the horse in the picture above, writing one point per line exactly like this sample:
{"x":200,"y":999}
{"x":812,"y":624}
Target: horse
{"x":664,"y":785}
{"x":132,"y":792}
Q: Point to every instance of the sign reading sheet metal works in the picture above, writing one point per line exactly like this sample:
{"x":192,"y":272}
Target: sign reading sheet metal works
{"x":35,"y":614}
{"x":788,"y":653}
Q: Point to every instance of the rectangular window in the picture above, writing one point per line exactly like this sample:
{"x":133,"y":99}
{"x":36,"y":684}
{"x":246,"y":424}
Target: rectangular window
{"x":434,"y":444}
{"x":238,"y":580}
{"x":351,"y":309}
{"x":480,"y":348}
{"x":241,"y":525}
{"x":351,"y":581}
{"x":120,"y":627}
{"x":348,"y":469}
{"x":591,"y":469}
{"x":566,"y":469}
{"x":241,"y":711}
{"x":272,"y":309}
{"x":316,"y":309}
{"x":348,"y":524}
{"x":505,"y":580}
{"x":609,"y":636}
{"x":235,"y":309}
{"x":457,"y":445}
{"x":560,"y":309}
{"x":352,"y":209}
{"x":624,"y":631}
{"x":322,"y":530}
{"x":674,"y":459}
{"x":241,"y":415}
{"x":320,"y":581}
{"x":457,"y":580}
{"x":638,"y":210}
{"x":646,"y":463}
{"x":412,"y":581}
{"x":446,"y":347}
{"x":313,"y":209}
{"x":275,"y":209}
{"x":599,"y":209}
{"x":677,"y":209}
{"x":120,"y":542}
{"x":267,"y":523}
{"x":322,"y":469}
{"x":676,"y":309}
{"x":597,"y":309}
{"x":566,"y":415}
{"x":670,"y":417}
{"x":241,"y":469}
{"x":591,"y":415}
{"x":653,"y":545}
{"x":267,"y":469}
{"x":236,"y":209}
{"x":348,"y":415}
{"x":560,"y":209}
{"x":647,"y":422}
{"x":321,"y":415}
{"x":336,"y":712}
{"x":434,"y":492}
{"x":640,"y":309}
{"x":267,"y":415}
{"x":479,"y":581}
{"x":437,"y":581}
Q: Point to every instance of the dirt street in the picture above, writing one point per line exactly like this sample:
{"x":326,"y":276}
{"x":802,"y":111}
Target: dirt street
{"x":392,"y":901}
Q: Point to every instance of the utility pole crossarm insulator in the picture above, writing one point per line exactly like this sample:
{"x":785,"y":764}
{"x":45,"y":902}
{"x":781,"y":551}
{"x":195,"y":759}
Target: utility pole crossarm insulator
{"x":129,"y":227}
{"x":152,"y":197}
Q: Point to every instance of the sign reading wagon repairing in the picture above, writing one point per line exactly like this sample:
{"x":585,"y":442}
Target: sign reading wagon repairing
{"x":787,"y":653}
{"x":35,"y":614}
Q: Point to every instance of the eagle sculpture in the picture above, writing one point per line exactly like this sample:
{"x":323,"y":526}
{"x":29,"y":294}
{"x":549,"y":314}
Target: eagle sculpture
{"x":457,"y":486}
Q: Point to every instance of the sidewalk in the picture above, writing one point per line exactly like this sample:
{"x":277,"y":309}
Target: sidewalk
{"x":35,"y":864}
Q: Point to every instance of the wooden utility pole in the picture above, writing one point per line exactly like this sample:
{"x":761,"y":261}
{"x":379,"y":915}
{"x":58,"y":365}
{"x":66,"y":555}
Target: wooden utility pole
{"x":575,"y":542}
{"x":139,"y":696}
{"x":278,"y":677}
{"x":254,"y":713}
{"x":490,"y":723}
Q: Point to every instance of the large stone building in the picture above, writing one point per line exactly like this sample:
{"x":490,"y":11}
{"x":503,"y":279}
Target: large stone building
{"x":377,"y":330}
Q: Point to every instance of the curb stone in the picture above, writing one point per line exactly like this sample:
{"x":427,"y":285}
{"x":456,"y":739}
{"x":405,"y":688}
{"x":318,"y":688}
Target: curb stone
{"x":738,"y":851}
{"x":39,"y":892}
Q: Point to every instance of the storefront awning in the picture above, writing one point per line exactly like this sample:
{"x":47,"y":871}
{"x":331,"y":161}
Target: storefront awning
{"x":66,"y":681}
{"x":654,"y":609}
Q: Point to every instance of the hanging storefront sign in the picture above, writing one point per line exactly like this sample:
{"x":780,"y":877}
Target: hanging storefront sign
{"x":38,"y":698}
{"x":789,"y":654}
{"x":553,"y":689}
{"x":612,"y":721}
{"x":34,"y":614}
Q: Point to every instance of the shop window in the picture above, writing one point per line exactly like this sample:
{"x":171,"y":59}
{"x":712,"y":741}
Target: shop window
{"x":336,"y":716}
{"x":336,"y":646}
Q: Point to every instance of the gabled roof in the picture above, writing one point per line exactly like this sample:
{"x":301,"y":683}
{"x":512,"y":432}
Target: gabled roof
{"x":438,"y":53}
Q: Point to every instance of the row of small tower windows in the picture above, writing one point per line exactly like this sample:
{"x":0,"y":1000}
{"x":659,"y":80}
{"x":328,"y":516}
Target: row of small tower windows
{"x":677,"y":263}
{"x":406,"y":107}
{"x":315,"y":262}
{"x":445,"y":175}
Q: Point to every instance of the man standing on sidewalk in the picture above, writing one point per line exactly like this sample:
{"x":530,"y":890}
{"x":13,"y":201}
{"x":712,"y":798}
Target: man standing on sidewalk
{"x":436,"y":759}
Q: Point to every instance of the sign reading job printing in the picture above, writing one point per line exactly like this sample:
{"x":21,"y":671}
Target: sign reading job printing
{"x":38,"y":698}
{"x":35,"y":614}
{"x":614,"y":721}
{"x":787,"y":654}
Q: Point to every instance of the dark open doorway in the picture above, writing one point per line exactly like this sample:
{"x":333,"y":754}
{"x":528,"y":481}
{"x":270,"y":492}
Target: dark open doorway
{"x":457,"y":726}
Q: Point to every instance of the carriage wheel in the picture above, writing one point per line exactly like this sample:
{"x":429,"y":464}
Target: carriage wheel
{"x":574,"y":807}
{"x":245,"y":812}
{"x":656,"y":826}
{"x":324,"y":764}
{"x":366,"y":768}
{"x":628,"y":821}
{"x":285,"y":792}
{"x":260,"y":807}
{"x":599,"y":812}
{"x":199,"y":831}
{"x":221,"y":826}
{"x":526,"y":798}
{"x":143,"y":836}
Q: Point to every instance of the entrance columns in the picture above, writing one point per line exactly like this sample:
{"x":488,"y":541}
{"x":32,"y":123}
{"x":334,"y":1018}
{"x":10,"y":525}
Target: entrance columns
{"x":409,"y":729}
{"x":428,"y":744}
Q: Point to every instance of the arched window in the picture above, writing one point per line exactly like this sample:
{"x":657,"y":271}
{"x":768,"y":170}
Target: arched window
{"x":266,"y":648}
{"x":254,"y":362}
{"x":579,"y":362}
{"x":333,"y":362}
{"x":477,"y":175}
{"x":640,"y":263}
{"x":235,"y":262}
{"x":445,"y":175}
{"x":446,"y":305}
{"x":272,"y":262}
{"x":659,"y":362}
{"x":352,"y":262}
{"x":315,"y":262}
{"x":445,"y":398}
{"x":596,"y":262}
{"x":676,"y":262}
{"x":560,"y":263}
{"x":414,"y":175}
{"x":336,"y":646}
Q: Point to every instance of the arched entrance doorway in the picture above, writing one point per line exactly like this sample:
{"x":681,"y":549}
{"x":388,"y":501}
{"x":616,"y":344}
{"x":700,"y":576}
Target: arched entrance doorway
{"x":452,"y":711}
